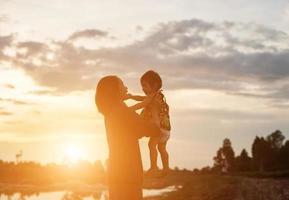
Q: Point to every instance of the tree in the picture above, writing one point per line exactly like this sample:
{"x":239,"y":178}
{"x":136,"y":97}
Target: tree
{"x":205,"y":170}
{"x":284,"y":155}
{"x":263,"y":154}
{"x":243,"y":162}
{"x":225,"y":158}
{"x":229,"y":154}
{"x":218,"y":161}
{"x":276,"y":139}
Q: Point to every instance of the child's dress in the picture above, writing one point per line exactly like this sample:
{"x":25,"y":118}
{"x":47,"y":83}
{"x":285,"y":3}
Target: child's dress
{"x":158,"y":112}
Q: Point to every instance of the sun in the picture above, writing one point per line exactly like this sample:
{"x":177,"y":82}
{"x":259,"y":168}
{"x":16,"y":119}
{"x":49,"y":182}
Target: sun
{"x":72,"y":153}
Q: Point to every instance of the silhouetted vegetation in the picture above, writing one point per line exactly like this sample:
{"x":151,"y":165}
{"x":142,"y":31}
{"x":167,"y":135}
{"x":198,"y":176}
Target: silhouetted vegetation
{"x":35,"y":173}
{"x":269,"y":158}
{"x":224,"y":161}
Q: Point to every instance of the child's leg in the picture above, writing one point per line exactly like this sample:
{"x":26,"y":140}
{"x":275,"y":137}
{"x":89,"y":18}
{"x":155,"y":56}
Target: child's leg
{"x":164,"y":155}
{"x":153,"y":152}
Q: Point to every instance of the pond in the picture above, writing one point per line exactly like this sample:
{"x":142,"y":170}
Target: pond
{"x":73,"y":195}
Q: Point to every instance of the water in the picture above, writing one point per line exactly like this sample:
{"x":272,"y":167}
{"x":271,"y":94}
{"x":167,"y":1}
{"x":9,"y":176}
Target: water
{"x":68,"y":195}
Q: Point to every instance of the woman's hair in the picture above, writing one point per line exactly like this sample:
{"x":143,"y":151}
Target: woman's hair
{"x":153,"y":79}
{"x":107,"y":93}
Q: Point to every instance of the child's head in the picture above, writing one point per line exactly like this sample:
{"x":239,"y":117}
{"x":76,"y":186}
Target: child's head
{"x":151,"y":82}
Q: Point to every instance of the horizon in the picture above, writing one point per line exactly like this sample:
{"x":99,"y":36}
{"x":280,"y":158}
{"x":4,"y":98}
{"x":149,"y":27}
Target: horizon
{"x":225,"y":73}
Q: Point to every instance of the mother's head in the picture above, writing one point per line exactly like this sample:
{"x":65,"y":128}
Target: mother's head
{"x":110,"y":92}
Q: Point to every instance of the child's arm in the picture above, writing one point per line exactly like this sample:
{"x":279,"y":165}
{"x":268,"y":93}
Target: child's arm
{"x":134,"y":97}
{"x":144,"y":103}
{"x":137,"y":97}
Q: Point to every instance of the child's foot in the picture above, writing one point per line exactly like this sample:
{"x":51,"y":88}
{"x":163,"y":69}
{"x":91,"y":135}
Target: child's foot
{"x":152,"y":172}
{"x":165,"y":172}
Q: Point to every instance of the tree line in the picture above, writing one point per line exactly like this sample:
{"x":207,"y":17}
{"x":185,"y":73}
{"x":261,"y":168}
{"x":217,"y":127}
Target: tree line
{"x":269,"y":154}
{"x":35,"y":173}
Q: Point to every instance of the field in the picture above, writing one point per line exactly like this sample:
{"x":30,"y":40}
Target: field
{"x":214,"y":187}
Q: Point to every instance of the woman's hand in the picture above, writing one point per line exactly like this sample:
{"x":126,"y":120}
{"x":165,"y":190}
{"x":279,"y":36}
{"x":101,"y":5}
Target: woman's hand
{"x":159,"y":97}
{"x":128,"y":96}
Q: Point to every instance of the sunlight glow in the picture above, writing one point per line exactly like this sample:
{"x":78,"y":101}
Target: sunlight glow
{"x":72,"y":153}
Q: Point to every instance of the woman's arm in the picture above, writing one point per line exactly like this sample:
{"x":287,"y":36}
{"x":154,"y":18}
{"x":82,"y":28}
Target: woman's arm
{"x":139,"y":126}
{"x":137,"y":97}
{"x":137,"y":106}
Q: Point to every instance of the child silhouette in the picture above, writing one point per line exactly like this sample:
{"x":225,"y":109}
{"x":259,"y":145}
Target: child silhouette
{"x":156,"y":110}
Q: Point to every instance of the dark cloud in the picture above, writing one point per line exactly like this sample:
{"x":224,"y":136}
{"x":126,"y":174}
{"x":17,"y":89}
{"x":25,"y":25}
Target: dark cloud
{"x":88,"y":33}
{"x":69,"y":66}
{"x":271,"y":34}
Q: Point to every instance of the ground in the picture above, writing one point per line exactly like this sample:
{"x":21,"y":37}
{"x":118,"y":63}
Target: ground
{"x":217,"y":187}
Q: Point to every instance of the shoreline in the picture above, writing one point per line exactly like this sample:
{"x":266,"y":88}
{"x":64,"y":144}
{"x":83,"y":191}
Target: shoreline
{"x":177,"y":186}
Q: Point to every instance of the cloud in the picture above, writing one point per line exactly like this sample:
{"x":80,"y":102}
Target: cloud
{"x":68,"y":66}
{"x":5,"y":41}
{"x":139,"y":28}
{"x":9,"y":86}
{"x":32,"y":48}
{"x":5,"y":113}
{"x":225,"y":114}
{"x":234,"y":58}
{"x":15,"y":101}
{"x":88,"y":33}
{"x":43,"y":92}
{"x":4,"y":18}
{"x":286,"y":12}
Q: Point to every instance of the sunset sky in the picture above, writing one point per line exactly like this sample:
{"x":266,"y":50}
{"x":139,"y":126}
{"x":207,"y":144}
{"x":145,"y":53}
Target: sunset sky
{"x":224,"y":64}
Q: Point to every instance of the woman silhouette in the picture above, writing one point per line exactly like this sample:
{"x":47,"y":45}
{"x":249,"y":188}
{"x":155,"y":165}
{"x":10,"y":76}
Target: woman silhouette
{"x":123,"y":129}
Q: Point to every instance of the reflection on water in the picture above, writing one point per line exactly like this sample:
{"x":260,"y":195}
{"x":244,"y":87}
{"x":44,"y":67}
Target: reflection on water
{"x":69,"y":195}
{"x":79,"y":196}
{"x":158,"y":192}
{"x":63,"y":195}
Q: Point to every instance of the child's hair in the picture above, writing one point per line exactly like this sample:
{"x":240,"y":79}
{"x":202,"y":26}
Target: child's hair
{"x":153,"y":79}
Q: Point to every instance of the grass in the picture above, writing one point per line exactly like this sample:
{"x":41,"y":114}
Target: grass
{"x":215,"y":187}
